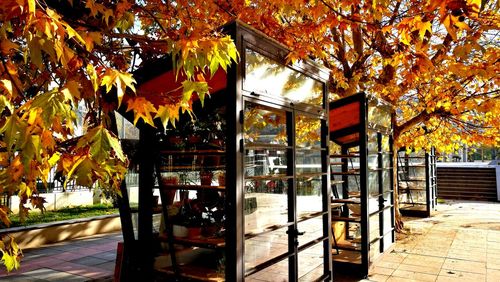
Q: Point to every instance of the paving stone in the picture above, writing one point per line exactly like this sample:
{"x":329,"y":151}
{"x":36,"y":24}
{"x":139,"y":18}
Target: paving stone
{"x":413,"y":275}
{"x":461,"y":275}
{"x":465,"y":266}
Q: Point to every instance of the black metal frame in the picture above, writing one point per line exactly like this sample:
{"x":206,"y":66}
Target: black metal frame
{"x":430,"y":180}
{"x":235,"y":98}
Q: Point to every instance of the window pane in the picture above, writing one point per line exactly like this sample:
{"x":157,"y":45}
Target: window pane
{"x":262,"y":248}
{"x":311,"y":263}
{"x":263,"y":162}
{"x":264,"y":125}
{"x":308,"y":132}
{"x":265,"y":76}
{"x":266,"y":204}
{"x":308,"y":161}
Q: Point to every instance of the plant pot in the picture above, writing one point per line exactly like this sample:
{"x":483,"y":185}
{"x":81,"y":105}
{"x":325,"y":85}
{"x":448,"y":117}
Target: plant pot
{"x":169,"y":191}
{"x":222,"y":179}
{"x":180,"y":231}
{"x":194,"y":232}
{"x":206,"y":177}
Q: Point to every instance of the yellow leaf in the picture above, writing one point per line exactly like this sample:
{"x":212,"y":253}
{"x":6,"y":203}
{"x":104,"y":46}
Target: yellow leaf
{"x":72,"y":89}
{"x":31,"y":6}
{"x":93,"y":76}
{"x":168,"y":113}
{"x":7,"y":45}
{"x":405,"y":37}
{"x":141,"y":108}
{"x":424,"y":27}
{"x":120,"y":80}
{"x":7,"y":85}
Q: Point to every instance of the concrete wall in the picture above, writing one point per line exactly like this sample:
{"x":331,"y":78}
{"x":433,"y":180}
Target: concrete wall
{"x":37,"y":235}
{"x":59,"y":200}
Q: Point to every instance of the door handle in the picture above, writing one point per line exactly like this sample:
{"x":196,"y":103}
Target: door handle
{"x":296,"y":232}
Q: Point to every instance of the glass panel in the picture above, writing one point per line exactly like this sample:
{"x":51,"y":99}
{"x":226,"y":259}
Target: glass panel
{"x":374,"y":227}
{"x":373,"y":188}
{"x":374,"y":251}
{"x":309,"y":196}
{"x":372,"y":161}
{"x":379,"y":115}
{"x":385,"y":144}
{"x":310,"y":263}
{"x":307,"y":132}
{"x":264,"y":125}
{"x":265,"y":76}
{"x":373,"y":204}
{"x":308,"y":161}
{"x":387,"y":198}
{"x":262,"y":248}
{"x":266,"y":204}
{"x":312,"y":228}
{"x":386,"y":181}
{"x":386,"y":160}
{"x":372,"y":141}
{"x":388,"y":221}
{"x":265,"y":162}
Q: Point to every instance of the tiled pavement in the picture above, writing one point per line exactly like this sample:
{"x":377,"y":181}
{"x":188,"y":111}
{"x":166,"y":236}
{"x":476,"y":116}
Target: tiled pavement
{"x":461,"y":242}
{"x":89,"y":259}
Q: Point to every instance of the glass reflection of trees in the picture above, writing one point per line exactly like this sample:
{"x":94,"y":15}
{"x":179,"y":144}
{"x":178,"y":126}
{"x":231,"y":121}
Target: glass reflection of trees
{"x":266,"y":76}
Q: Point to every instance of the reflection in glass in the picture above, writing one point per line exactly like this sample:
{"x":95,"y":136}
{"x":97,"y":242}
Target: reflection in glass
{"x":312,"y":228}
{"x":373,"y":189}
{"x":265,"y":76}
{"x":311,"y":263}
{"x":386,"y":180}
{"x":309,"y":196}
{"x":372,"y":141}
{"x":374,"y":227}
{"x":266,"y":204}
{"x":261,"y":162}
{"x":379,"y":115}
{"x":262,"y":248}
{"x":307,"y":132}
{"x":308,"y":161}
{"x":264,"y":125}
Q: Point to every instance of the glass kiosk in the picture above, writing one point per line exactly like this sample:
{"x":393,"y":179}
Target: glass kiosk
{"x":244,"y":188}
{"x":362,"y":200}
{"x":417,"y":183}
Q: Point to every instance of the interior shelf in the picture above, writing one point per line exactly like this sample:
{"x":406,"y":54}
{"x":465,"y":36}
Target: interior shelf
{"x":346,"y":219}
{"x":192,"y":187}
{"x":202,"y":242}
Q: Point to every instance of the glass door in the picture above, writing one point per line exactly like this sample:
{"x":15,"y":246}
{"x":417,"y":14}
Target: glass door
{"x":283,"y":195}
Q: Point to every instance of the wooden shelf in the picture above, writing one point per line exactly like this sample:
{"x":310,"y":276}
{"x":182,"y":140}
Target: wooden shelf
{"x":192,"y":187}
{"x":346,"y":201}
{"x":349,"y":245}
{"x":174,"y":168}
{"x":193,"y":152}
{"x":202,"y":242}
{"x":333,"y":182}
{"x":269,"y":177}
{"x":350,"y":172}
{"x":346,"y":219}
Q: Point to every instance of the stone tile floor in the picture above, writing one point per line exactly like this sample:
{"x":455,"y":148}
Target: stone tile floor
{"x":461,"y":242}
{"x":88,"y":259}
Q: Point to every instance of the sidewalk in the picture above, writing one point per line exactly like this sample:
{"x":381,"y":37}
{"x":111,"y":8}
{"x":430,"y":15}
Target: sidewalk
{"x":88,"y":259}
{"x":460,"y":243}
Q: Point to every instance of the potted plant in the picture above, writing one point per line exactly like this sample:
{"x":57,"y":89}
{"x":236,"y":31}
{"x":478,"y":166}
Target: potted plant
{"x":188,"y":221}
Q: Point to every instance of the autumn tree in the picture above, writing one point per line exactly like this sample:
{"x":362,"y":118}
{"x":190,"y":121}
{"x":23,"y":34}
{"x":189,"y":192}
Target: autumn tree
{"x":435,"y":61}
